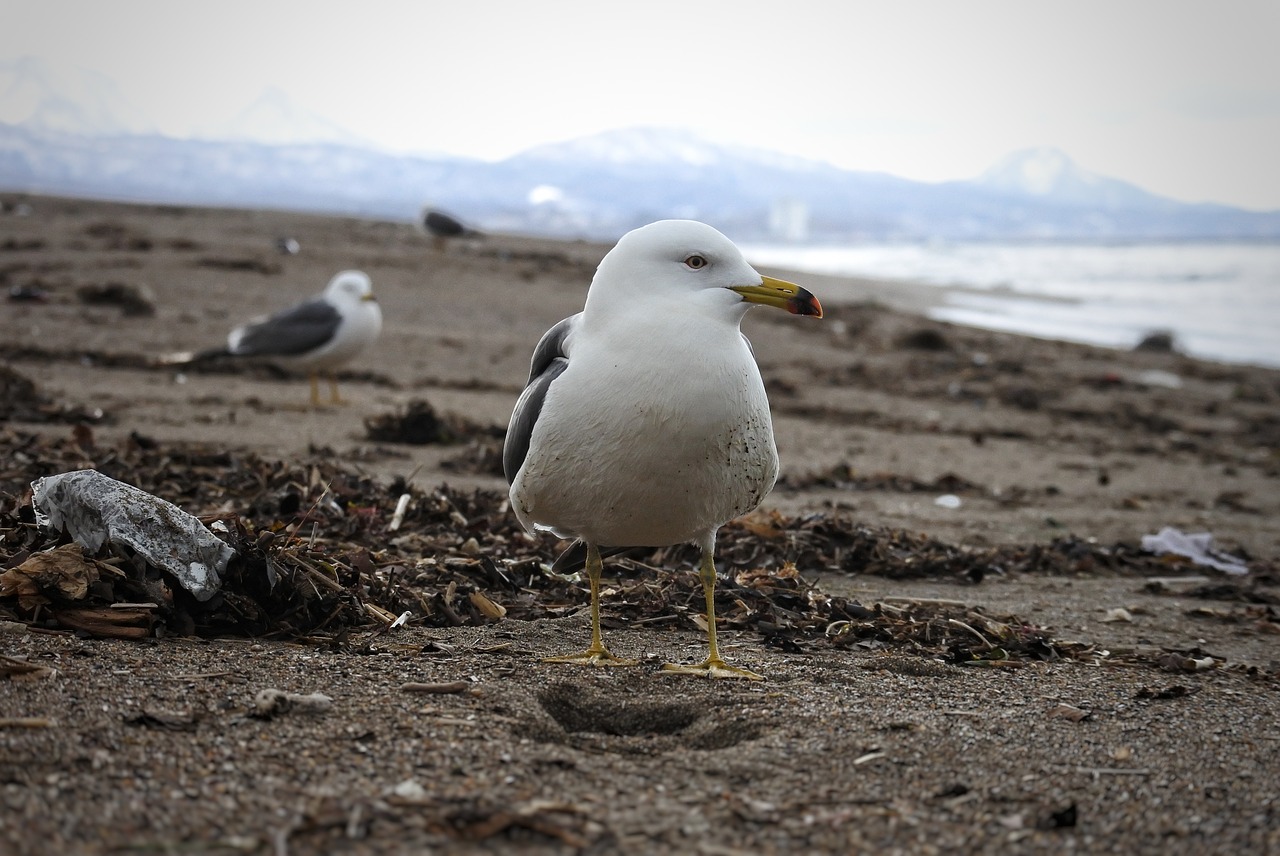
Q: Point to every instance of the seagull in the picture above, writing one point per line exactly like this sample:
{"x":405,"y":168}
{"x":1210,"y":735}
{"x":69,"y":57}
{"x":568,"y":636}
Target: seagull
{"x":441,"y":226}
{"x":644,"y":422}
{"x":316,"y":336}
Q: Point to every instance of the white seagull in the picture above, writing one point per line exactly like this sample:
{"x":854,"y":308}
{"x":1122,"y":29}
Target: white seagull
{"x":645,"y":421}
{"x":315,"y":336}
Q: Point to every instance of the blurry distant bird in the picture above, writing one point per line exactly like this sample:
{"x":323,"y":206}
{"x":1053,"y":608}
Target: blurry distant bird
{"x":316,"y":336}
{"x":441,"y":226}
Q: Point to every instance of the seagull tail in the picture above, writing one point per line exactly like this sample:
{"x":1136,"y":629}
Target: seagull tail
{"x":186,"y":358}
{"x":574,"y":558}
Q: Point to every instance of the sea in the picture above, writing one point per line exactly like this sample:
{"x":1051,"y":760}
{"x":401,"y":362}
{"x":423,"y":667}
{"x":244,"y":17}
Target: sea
{"x":1221,"y":301}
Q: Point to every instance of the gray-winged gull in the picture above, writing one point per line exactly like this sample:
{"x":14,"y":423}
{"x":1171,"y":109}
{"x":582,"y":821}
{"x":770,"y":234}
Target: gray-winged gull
{"x":315,"y":336}
{"x":645,"y":420}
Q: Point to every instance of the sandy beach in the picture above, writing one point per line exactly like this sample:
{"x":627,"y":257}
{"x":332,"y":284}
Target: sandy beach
{"x":1141,"y":720}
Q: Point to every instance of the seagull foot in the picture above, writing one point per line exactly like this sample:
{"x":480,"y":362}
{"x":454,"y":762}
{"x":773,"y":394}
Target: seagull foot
{"x":710,"y":668}
{"x":592,"y":657}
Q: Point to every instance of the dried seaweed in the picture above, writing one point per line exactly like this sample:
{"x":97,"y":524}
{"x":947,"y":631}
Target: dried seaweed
{"x":318,"y":559}
{"x":418,"y":423}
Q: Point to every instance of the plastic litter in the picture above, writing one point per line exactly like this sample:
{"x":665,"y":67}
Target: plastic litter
{"x":1196,"y":546}
{"x":95,"y":509}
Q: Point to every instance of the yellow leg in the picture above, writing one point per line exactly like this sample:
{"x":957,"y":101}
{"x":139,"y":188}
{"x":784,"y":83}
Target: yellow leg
{"x":315,"y":389}
{"x":334,"y":398}
{"x":596,"y":654}
{"x":713,"y":666}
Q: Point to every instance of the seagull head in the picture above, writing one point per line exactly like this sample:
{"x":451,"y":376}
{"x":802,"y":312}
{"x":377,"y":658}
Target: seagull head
{"x":684,"y":263}
{"x":351,"y":287}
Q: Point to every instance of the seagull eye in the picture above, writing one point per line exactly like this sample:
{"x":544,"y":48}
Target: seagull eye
{"x":696,"y":262}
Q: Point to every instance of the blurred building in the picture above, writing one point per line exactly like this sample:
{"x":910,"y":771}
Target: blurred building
{"x":789,"y":221}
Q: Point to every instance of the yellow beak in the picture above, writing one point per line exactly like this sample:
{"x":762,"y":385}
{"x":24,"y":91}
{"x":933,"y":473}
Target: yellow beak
{"x":783,"y":295}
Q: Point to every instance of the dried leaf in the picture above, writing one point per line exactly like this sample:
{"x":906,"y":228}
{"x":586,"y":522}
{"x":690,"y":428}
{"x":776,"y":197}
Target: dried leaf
{"x":62,"y":573}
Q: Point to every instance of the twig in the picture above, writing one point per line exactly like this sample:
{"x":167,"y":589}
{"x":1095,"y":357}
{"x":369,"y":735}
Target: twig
{"x":436,"y":689}
{"x":26,"y":722}
{"x":397,"y":518}
{"x":925,"y":601}
{"x":958,"y":623}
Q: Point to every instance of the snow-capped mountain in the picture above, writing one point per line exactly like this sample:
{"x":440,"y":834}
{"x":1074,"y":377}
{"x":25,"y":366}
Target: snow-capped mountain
{"x":1047,"y":173}
{"x":40,"y":95}
{"x":89,"y":142}
{"x":664,"y":146}
{"x":274,"y":119}
{"x":56,"y":98}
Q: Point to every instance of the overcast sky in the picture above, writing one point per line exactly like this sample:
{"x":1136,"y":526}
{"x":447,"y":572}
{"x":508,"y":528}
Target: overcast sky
{"x":1180,"y":98}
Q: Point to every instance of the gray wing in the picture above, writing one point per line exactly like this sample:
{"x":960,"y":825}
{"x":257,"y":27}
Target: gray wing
{"x":550,"y":359}
{"x":290,"y":333}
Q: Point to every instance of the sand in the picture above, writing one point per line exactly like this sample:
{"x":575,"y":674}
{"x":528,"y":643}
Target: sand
{"x":155,"y":745}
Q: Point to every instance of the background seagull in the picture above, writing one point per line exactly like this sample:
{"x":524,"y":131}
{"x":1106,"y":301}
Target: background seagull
{"x":442,"y":226}
{"x":316,"y":336}
{"x":645,"y":420}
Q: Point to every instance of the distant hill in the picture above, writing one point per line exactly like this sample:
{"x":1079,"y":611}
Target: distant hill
{"x":72,"y":134}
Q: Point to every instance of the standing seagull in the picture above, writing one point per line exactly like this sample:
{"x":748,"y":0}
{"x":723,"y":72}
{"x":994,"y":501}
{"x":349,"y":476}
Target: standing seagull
{"x":316,"y":336}
{"x":645,"y":421}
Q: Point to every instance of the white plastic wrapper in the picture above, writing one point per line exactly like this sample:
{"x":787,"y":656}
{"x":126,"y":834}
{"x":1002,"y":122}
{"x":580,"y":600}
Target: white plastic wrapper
{"x":95,"y":509}
{"x":1196,"y":546}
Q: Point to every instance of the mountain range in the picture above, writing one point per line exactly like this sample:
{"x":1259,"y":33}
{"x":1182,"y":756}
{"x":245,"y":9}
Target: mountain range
{"x":74,"y":135}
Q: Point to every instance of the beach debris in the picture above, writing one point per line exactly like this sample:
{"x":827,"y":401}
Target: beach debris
{"x":569,"y":824}
{"x":26,"y":722}
{"x":397,"y":517}
{"x":27,"y":294}
{"x":846,"y":476}
{"x":269,"y":703}
{"x":410,"y":790}
{"x":452,"y":687}
{"x":418,"y":424}
{"x":1196,"y":546}
{"x":948,"y":500}
{"x":1173,"y":661}
{"x":95,"y":509}
{"x":1166,"y":693}
{"x":1160,"y":378}
{"x":1062,"y":818}
{"x":1157,"y":342}
{"x":119,"y":236}
{"x":1069,"y":713}
{"x":1118,"y":613}
{"x":925,"y":339}
{"x":18,"y":669}
{"x":22,"y":401}
{"x":63,"y":571}
{"x":288,"y":246}
{"x":132,"y":299}
{"x":108,"y":623}
{"x":165,"y":720}
{"x":250,"y":265}
{"x":305,"y":568}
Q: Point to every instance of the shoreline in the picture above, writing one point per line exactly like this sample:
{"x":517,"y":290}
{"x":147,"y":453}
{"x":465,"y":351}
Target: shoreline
{"x":1214,"y":298}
